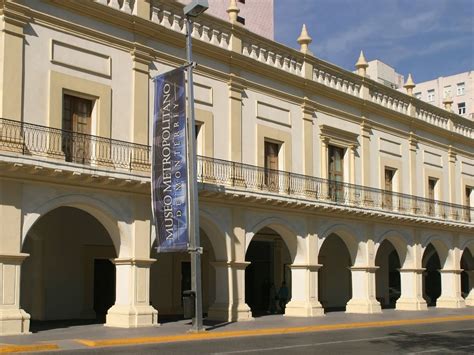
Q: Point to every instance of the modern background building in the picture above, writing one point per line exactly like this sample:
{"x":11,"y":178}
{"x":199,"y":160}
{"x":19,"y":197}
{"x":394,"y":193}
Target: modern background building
{"x":358,"y":196}
{"x":457,"y":90}
{"x":254,"y":15}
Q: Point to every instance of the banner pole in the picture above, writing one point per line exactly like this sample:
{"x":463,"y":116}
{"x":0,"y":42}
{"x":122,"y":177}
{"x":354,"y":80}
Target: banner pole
{"x":194,"y":241}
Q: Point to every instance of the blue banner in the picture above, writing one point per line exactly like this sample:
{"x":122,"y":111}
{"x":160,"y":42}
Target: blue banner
{"x":169,"y":174}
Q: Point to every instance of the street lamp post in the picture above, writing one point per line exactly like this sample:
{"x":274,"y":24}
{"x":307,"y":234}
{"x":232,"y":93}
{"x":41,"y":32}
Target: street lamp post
{"x":194,"y":9}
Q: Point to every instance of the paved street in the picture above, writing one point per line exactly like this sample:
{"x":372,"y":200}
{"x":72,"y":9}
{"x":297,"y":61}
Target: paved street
{"x":435,"y":330}
{"x":441,"y":338}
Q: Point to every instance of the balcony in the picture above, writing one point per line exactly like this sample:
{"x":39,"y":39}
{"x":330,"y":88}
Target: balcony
{"x":220,"y":176}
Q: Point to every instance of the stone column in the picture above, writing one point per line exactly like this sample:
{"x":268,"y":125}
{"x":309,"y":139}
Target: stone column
{"x":13,"y":320}
{"x":411,"y":299}
{"x":470,"y":297}
{"x":229,"y":305}
{"x":132,"y":299}
{"x":236,"y":89}
{"x":11,"y":65}
{"x":450,"y":289}
{"x":363,"y":291}
{"x":304,"y":292}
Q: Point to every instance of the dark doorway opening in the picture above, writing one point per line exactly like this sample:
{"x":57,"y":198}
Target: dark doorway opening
{"x":104,"y":286}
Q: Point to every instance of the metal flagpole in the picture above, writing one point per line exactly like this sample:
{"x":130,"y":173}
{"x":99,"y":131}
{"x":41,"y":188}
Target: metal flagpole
{"x":194,"y":241}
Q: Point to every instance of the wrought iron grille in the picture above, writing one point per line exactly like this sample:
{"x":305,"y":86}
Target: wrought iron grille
{"x":35,"y":140}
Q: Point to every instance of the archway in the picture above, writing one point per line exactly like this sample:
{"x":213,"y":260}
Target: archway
{"x":269,"y":259}
{"x":432,"y":278}
{"x":69,"y":275}
{"x":334,"y":281}
{"x":467,"y":277}
{"x":170,"y":276}
{"x":387,"y":277}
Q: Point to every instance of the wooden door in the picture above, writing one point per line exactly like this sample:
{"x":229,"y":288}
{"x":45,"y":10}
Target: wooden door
{"x":77,"y":124}
{"x":271,"y":165}
{"x":336,"y":172}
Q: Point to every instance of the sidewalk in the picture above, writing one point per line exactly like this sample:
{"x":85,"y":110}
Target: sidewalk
{"x":96,"y":335}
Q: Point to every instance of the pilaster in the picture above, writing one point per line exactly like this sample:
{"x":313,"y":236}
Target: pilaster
{"x":236,"y":88}
{"x":11,"y":63}
{"x":140,"y":82}
{"x":304,"y":292}
{"x":365,"y":132}
{"x":413,"y":148}
{"x":324,"y":157}
{"x":452,"y":175}
{"x":308,"y":111}
{"x":132,"y":299}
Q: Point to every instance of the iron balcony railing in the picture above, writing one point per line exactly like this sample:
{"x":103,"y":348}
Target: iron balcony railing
{"x":35,"y":140}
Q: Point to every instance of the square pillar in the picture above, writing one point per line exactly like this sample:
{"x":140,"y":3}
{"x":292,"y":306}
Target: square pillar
{"x":132,"y":299}
{"x":13,"y":320}
{"x":450,"y":289}
{"x":470,"y":297}
{"x":411,"y":298}
{"x":304,"y":292}
{"x":363,"y":291}
{"x":229,"y":305}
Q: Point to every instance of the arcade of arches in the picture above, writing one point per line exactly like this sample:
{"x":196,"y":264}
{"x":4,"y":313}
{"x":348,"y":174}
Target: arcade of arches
{"x":72,"y":271}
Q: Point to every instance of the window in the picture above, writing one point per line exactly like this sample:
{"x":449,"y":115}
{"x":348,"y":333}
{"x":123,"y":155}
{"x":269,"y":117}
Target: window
{"x":242,"y":1}
{"x":432,"y":182}
{"x":431,"y":95}
{"x":460,"y":89}
{"x":462,"y":108}
{"x":447,"y":91}
{"x":77,"y":128}
{"x":335,"y":172}
{"x":387,"y":195}
{"x":241,"y":20}
{"x":271,"y":165}
{"x":467,"y":202}
{"x":418,"y":95}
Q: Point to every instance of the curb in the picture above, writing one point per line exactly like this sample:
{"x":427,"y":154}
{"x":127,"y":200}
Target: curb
{"x":266,"y":331}
{"x":27,"y":348}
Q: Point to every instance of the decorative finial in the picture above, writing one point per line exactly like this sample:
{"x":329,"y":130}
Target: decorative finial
{"x":233,"y":11}
{"x":448,"y":102}
{"x":304,"y":40}
{"x":409,"y":85}
{"x":361,"y":64}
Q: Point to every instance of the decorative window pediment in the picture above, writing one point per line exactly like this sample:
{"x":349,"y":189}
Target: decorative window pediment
{"x":338,"y":136}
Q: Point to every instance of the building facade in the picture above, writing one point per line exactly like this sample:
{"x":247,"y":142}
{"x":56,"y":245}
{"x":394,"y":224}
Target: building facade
{"x":356,"y":195}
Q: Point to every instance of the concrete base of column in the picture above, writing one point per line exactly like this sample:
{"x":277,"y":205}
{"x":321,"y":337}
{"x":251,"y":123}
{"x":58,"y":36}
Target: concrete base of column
{"x":363,"y":306}
{"x":125,"y":316}
{"x":469,"y":301}
{"x":444,"y":302}
{"x":304,"y":309}
{"x":14,"y":322}
{"x":229,"y":313}
{"x":411,"y":304}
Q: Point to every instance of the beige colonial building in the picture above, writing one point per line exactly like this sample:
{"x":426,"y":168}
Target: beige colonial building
{"x":358,"y":196}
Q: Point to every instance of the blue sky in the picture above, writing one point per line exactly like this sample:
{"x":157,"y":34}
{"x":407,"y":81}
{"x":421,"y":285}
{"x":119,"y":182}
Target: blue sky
{"x":428,"y":38}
